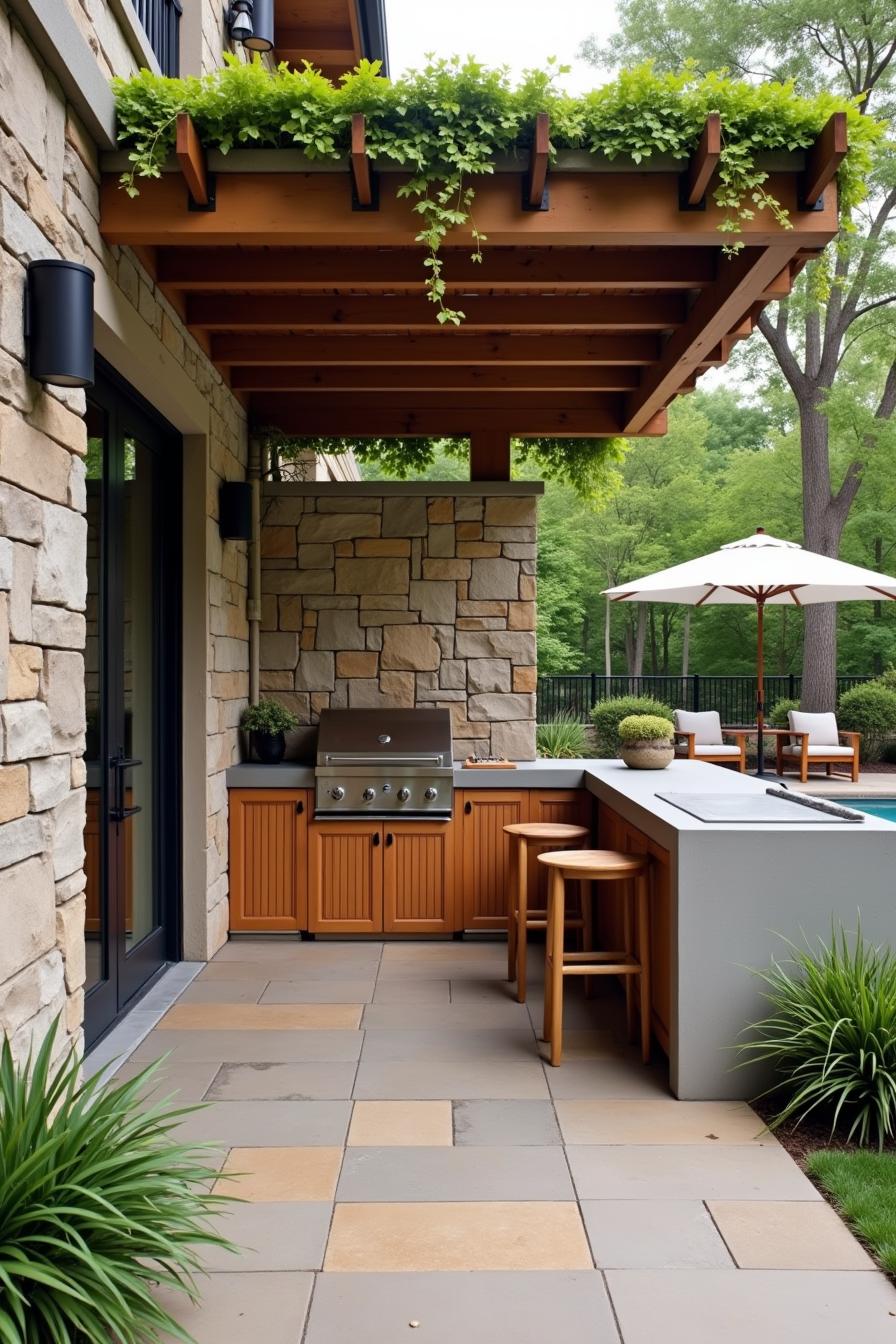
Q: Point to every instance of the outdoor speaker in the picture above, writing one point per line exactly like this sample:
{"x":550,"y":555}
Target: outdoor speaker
{"x":235,"y":511}
{"x":59,"y":323}
{"x":262,"y":35}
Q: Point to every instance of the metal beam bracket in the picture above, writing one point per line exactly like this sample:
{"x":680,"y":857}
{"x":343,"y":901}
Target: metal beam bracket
{"x":211,"y":203}
{"x":534,"y":182}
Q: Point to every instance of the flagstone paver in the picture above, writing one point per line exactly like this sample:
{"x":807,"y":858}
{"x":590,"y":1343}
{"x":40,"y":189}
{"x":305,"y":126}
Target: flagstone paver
{"x":405,"y":1155}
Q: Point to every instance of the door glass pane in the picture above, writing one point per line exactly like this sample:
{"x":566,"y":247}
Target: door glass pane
{"x":140,"y":634}
{"x":97,"y":950}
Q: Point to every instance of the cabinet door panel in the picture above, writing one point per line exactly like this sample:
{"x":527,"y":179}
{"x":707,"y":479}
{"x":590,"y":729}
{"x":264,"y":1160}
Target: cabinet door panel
{"x":267,"y":859}
{"x":345,"y":877}
{"x":486,"y":853}
{"x":418,"y":877}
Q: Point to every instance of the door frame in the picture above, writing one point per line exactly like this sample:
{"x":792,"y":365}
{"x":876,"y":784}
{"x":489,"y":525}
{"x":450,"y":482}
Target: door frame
{"x":130,"y":973}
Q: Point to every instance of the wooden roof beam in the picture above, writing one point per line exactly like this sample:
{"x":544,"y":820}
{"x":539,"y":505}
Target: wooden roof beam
{"x":535,"y":193}
{"x":781,"y":286}
{"x":712,"y":317}
{"x":401,"y":269}
{"x":703,"y":163}
{"x":270,"y":312}
{"x":355,"y":417}
{"x":822,"y":161}
{"x":450,"y":378}
{"x":364,"y":195}
{"x":435,"y":347}
{"x":191,"y":158}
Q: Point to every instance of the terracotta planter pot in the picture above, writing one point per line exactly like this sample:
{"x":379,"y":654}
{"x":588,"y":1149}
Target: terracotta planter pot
{"x":651,"y":755}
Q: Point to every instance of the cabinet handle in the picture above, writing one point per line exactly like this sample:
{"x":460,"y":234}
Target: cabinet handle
{"x":376,"y":838}
{"x":300,"y":808}
{"x":468,"y":808}
{"x":389,"y":838}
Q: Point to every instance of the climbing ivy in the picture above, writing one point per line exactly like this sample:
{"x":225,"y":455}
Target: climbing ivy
{"x":449,"y":123}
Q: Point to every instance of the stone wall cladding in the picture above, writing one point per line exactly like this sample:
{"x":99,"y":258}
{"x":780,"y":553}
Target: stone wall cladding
{"x":49,"y":207}
{"x":403,"y":600}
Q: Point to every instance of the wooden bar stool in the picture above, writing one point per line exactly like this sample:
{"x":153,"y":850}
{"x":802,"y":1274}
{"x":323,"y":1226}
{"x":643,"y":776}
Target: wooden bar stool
{"x":519,"y":916}
{"x":596,"y":865}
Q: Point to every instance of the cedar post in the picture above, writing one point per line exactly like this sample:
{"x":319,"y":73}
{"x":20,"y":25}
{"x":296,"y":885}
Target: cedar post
{"x":490,"y":455}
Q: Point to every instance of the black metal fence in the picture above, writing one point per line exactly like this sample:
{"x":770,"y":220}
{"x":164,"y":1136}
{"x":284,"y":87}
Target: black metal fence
{"x":733,"y":697}
{"x":160,"y":20}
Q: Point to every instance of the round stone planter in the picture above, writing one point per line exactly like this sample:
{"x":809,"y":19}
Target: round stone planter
{"x":651,"y":755}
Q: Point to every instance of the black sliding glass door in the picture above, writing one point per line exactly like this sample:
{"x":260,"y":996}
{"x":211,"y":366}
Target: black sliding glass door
{"x":132,"y":683}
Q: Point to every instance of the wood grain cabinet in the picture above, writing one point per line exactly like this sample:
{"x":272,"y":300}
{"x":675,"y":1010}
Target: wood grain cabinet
{"x":268,"y":870}
{"x":345,"y":877}
{"x":418,"y":877}
{"x":485,"y":855}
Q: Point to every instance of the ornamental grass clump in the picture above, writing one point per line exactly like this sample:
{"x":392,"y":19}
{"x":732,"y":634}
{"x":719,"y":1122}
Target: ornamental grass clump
{"x":831,"y":1038}
{"x":98,"y":1205}
{"x":562,"y":738}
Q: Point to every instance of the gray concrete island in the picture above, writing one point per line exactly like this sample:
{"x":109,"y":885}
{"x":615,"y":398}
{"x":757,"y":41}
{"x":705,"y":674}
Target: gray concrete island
{"x":738,"y":889}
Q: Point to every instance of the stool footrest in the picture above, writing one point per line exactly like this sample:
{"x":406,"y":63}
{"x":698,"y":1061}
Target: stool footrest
{"x":605,"y":968}
{"x":618,"y":954}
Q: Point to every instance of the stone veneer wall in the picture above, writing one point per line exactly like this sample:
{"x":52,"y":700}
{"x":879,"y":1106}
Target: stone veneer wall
{"x":403,"y":599}
{"x":49,"y":207}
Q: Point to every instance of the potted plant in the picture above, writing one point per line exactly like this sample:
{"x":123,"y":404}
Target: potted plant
{"x":268,"y":722}
{"x":646,"y":742}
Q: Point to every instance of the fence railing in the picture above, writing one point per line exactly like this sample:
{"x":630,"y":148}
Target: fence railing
{"x":160,"y":20}
{"x":733,"y":697}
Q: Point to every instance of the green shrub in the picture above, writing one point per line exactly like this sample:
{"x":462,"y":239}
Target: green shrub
{"x":777,"y":715}
{"x":831,"y":1037}
{"x":887,"y":678}
{"x":268,"y":716}
{"x":562,"y":738}
{"x":645,"y":728}
{"x":608,"y":714}
{"x":869,"y":709}
{"x":98,"y":1205}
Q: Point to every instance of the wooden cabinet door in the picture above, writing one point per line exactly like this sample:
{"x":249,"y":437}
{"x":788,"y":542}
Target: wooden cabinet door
{"x":569,"y":807}
{"x":268,"y":843}
{"x":485,"y":858}
{"x":345,"y":877}
{"x":418,"y":877}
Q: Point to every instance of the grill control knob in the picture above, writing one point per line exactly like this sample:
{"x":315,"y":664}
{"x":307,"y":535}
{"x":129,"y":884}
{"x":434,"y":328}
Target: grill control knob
{"x":431,"y":794}
{"x":403,"y":795}
{"x":338,"y":793}
{"x":368,"y":795}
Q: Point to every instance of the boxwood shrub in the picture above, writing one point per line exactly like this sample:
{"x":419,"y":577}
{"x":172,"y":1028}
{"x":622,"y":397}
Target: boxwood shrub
{"x":608,"y":714}
{"x":870,"y":710}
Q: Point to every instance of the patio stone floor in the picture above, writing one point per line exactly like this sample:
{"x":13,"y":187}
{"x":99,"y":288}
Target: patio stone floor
{"x":410,"y":1164}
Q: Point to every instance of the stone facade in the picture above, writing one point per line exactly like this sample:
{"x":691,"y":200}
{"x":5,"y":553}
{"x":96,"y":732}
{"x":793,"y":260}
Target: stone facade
{"x":401,"y":600}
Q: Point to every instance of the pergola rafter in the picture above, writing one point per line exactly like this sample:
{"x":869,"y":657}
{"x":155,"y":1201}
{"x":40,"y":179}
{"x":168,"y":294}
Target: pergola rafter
{"x":601,"y":295}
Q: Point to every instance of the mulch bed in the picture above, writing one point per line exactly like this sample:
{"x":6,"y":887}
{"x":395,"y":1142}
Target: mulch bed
{"x":809,"y":1137}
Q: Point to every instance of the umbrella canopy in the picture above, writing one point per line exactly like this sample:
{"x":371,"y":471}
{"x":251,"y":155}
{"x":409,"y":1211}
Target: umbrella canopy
{"x":761,"y":570}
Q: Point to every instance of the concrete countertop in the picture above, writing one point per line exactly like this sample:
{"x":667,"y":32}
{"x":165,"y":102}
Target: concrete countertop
{"x":527,"y":775}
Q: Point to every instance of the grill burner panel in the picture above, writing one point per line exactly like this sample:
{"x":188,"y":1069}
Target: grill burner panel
{"x":384,"y":763}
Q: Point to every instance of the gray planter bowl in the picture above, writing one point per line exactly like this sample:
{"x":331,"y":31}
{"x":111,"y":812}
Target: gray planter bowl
{"x":650,"y":755}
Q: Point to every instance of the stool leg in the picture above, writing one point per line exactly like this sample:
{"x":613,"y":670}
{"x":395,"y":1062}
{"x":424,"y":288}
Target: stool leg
{"x":512,"y":909}
{"x":644,"y":954}
{"x":522,"y":919}
{"x":548,"y":969}
{"x":586,"y":901}
{"x":555,"y":933}
{"x":628,"y":945}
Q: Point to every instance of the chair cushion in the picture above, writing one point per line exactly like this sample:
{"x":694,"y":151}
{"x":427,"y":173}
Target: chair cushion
{"x":716,"y":749}
{"x":706,"y":726}
{"x":823,"y":752}
{"x":822,"y":728}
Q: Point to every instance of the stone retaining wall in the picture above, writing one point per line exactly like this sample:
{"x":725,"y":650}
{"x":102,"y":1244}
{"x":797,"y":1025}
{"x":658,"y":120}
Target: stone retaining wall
{"x":403,"y":600}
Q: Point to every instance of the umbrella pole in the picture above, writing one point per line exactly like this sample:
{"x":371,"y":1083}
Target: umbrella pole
{"x":760,"y":690}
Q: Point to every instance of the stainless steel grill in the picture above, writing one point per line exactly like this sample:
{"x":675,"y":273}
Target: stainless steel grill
{"x":384,"y":763}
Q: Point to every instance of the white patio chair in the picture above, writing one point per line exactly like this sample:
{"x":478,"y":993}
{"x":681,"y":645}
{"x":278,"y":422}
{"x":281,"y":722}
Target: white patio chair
{"x":704,"y":739}
{"x":815,"y":739}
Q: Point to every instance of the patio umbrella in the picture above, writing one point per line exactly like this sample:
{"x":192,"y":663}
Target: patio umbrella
{"x":764,"y":571}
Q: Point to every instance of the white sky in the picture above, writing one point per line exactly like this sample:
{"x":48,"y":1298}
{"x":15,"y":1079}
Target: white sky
{"x":518,"y":33}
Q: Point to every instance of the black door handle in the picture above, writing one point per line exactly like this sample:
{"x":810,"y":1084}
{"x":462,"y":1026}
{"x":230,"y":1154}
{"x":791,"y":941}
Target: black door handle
{"x":389,"y":838}
{"x":121,"y":763}
{"x":376,"y":838}
{"x":468,"y":808}
{"x":300,"y":808}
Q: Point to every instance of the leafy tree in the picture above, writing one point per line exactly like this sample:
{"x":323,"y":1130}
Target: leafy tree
{"x":833,"y":341}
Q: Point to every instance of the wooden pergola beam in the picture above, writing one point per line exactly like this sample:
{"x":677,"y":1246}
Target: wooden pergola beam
{"x":526,"y":269}
{"x":428,"y":377}
{"x":279,"y":312}
{"x":191,"y":157}
{"x":436,"y":347}
{"x":715,"y":313}
{"x":309,"y":210}
{"x":780,"y":287}
{"x":823,"y":160}
{"x":703,"y":162}
{"x":539,"y":156}
{"x":360,"y":163}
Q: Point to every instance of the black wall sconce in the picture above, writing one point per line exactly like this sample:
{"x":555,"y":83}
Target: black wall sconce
{"x":235,"y":511}
{"x":59,"y":323}
{"x":252,"y":23}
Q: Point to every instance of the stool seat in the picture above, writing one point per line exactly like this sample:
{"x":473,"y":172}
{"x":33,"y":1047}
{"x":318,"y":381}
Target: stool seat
{"x":520,"y":917}
{"x":597,"y":865}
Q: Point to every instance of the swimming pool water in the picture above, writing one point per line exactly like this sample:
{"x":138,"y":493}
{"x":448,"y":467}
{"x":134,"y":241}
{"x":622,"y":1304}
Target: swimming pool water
{"x":875,"y":807}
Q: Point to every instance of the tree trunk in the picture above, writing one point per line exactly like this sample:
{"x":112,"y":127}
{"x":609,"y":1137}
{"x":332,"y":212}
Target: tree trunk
{"x":877,"y":660}
{"x":637,"y":664}
{"x":686,"y":642}
{"x":654,"y":650}
{"x":822,"y":527}
{"x":608,"y":653}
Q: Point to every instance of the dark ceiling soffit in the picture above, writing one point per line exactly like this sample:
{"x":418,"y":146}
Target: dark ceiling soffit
{"x":374,"y":38}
